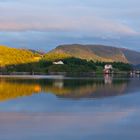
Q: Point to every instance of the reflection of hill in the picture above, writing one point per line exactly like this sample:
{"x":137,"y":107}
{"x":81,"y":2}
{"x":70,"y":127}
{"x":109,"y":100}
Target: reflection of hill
{"x":11,"y":90}
{"x":88,"y":88}
{"x":94,"y":90}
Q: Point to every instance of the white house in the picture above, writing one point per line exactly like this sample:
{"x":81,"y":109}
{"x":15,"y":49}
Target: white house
{"x":58,"y":63}
{"x":108,"y":68}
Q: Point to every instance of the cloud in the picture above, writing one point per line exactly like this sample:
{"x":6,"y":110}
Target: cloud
{"x":53,"y":22}
{"x":60,"y":16}
{"x":24,"y":22}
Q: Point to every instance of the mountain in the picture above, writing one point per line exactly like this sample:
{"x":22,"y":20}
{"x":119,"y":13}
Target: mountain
{"x":13,"y":56}
{"x":97,"y":53}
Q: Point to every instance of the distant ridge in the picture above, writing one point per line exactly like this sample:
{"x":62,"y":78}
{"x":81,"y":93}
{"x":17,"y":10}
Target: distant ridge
{"x":99,"y":53}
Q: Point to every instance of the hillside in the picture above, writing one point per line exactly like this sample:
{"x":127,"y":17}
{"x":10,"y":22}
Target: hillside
{"x":10,"y":56}
{"x":132,"y":56}
{"x":98,"y":53}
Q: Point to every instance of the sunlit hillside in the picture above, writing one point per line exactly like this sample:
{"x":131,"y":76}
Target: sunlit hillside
{"x":10,"y":56}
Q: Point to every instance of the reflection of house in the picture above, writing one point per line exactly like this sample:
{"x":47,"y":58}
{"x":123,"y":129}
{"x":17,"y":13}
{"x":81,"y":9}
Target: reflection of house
{"x":108,"y":69}
{"x":58,"y":63}
{"x":107,"y":79}
{"x":59,"y":83}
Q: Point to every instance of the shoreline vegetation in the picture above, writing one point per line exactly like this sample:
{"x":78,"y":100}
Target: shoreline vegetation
{"x":70,"y":66}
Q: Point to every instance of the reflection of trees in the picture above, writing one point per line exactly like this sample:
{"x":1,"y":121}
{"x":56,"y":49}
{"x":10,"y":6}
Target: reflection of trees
{"x":86,"y":88}
{"x":89,"y":91}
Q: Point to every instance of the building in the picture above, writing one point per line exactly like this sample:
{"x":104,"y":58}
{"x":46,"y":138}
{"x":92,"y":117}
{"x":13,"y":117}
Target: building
{"x":58,"y":63}
{"x":108,"y":69}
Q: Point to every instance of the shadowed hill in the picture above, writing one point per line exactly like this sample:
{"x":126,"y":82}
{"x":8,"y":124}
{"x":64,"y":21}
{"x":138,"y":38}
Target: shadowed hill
{"x":98,"y":53}
{"x":132,"y":56}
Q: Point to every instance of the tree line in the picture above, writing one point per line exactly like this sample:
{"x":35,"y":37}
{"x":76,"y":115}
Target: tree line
{"x":71,"y":64}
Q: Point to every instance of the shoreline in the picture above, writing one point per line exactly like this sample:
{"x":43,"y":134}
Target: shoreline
{"x":67,"y":76}
{"x":32,"y":76}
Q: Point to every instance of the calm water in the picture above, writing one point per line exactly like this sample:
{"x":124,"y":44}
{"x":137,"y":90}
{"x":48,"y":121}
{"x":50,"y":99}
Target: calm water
{"x":57,"y":108}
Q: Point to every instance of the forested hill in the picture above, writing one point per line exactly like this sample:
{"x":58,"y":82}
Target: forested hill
{"x":98,"y":53}
{"x":13,"y":56}
{"x":75,"y":59}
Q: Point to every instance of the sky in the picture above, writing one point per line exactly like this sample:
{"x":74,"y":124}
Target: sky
{"x":45,"y":24}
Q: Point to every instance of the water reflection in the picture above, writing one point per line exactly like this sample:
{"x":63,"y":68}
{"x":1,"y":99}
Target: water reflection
{"x":57,"y":109}
{"x":107,"y":79}
{"x":11,"y":88}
